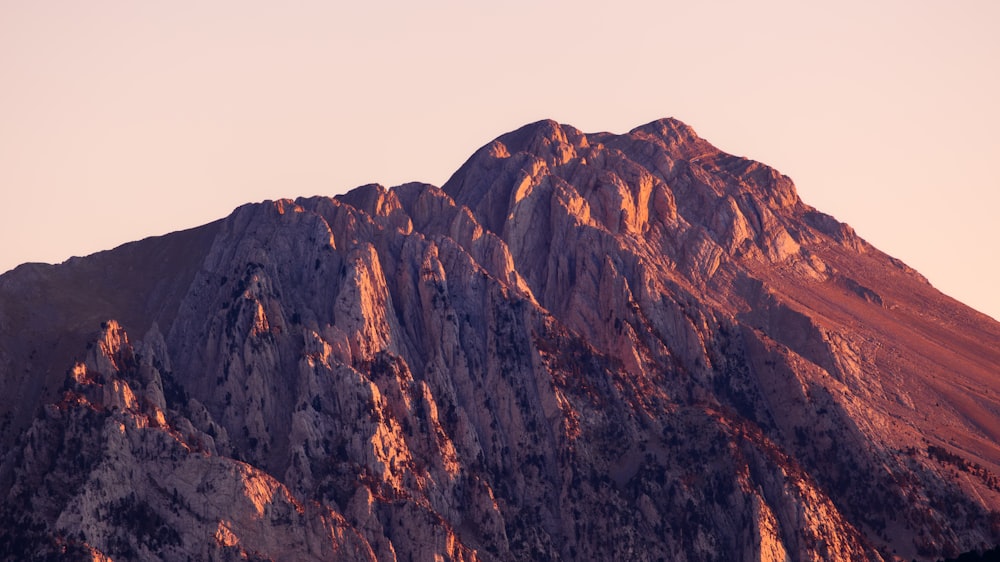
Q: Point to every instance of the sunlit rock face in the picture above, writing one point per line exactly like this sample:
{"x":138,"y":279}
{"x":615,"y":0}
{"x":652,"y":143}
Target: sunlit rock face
{"x":581,"y":347}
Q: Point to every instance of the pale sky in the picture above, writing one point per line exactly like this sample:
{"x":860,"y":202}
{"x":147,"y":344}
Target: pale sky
{"x":125,"y":119}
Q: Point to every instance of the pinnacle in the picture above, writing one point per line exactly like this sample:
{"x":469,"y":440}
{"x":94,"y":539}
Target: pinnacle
{"x":544,"y":138}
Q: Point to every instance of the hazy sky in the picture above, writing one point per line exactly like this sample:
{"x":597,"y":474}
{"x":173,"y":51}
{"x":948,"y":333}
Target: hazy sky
{"x":124,"y":119}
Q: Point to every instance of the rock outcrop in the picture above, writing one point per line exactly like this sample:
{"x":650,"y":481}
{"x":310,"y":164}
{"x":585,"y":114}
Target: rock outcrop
{"x":582,"y":346}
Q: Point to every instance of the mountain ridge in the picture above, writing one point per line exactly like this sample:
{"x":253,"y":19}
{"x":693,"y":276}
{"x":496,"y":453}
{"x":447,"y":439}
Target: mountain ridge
{"x":581,"y":345}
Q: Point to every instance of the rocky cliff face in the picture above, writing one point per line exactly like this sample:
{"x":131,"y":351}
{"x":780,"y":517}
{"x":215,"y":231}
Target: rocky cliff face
{"x":582,"y":346}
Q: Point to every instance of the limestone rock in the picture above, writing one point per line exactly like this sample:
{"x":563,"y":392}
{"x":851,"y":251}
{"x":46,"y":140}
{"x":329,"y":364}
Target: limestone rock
{"x":581,"y":347}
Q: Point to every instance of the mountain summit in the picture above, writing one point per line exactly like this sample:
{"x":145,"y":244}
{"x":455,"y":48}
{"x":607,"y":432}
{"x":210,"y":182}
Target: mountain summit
{"x":581,"y":347}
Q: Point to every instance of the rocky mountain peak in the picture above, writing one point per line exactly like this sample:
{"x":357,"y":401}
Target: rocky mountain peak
{"x":674,"y":136}
{"x":554,"y":143}
{"x":582,"y":346}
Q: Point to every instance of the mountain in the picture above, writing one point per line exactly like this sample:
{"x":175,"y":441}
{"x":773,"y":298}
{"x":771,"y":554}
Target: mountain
{"x":581,"y":347}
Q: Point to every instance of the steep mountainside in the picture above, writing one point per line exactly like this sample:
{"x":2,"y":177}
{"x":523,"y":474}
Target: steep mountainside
{"x":581,"y":347}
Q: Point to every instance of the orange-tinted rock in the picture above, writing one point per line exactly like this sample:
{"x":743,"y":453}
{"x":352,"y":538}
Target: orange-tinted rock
{"x":581,"y":347}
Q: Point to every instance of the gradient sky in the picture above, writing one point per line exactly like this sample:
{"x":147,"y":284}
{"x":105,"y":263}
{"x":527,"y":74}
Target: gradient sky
{"x":125,"y":119}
